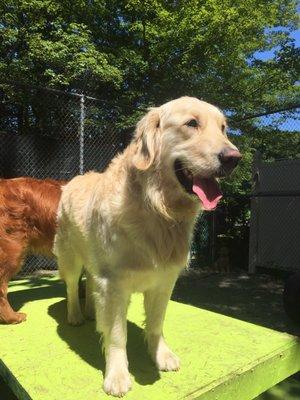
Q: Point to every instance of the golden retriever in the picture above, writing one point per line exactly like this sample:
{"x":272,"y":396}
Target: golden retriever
{"x":130,"y":227}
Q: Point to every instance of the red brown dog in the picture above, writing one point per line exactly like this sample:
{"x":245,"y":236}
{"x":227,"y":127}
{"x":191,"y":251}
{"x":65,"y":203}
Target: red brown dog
{"x":27,"y":225}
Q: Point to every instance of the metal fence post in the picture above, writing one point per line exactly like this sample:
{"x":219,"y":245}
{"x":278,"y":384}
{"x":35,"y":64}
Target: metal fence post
{"x":81,"y":134}
{"x":254,"y":219}
{"x":213,"y":238}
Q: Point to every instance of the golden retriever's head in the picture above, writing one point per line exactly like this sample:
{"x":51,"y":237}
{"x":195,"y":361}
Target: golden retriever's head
{"x":186,"y":138}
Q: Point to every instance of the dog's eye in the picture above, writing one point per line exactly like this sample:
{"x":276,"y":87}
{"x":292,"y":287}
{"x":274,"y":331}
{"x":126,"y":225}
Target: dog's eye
{"x":223,"y":128}
{"x":193,"y":123}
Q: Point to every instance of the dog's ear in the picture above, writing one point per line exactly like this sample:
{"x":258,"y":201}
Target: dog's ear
{"x":147,"y":139}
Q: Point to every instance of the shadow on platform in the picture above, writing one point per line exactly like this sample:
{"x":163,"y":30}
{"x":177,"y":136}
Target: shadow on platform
{"x":86,"y":343}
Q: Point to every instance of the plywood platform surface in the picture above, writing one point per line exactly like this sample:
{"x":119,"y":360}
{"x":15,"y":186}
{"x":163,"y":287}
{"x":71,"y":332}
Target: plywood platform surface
{"x":222,"y":358}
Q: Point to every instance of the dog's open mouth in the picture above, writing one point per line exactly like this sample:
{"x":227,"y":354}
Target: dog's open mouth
{"x":207,"y":189}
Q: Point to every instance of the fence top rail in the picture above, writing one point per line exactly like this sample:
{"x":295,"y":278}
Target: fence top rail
{"x":263,"y":114}
{"x":254,"y":195}
{"x":232,"y":118}
{"x":71,"y":94}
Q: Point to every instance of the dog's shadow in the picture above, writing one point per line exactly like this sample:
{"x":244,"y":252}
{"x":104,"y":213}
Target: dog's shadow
{"x":84,"y":340}
{"x":36,"y":289}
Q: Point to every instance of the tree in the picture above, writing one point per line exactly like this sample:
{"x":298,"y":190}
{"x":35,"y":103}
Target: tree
{"x":146,"y":52}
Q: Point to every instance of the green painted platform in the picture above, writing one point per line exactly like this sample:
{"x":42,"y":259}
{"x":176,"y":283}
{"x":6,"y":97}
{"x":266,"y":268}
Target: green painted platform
{"x":222,"y":358}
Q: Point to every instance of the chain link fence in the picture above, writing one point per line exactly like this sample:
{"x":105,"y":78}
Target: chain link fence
{"x":46,"y":133}
{"x":275,"y":215}
{"x":51,"y":134}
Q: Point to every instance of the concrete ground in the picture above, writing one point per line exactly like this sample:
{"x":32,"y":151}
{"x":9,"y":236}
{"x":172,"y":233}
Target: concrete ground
{"x":253,"y":298}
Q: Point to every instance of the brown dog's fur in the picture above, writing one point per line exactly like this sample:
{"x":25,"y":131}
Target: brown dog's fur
{"x":27,"y":225}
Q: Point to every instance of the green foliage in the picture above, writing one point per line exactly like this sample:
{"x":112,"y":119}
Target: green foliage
{"x":146,"y":52}
{"x":42,"y":45}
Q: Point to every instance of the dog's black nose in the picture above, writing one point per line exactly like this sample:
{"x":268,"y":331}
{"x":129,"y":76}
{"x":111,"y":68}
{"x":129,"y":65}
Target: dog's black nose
{"x":229,"y":158}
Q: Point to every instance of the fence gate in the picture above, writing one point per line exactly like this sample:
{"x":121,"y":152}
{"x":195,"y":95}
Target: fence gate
{"x":275,"y":215}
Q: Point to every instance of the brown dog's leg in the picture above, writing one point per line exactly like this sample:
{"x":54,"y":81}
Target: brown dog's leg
{"x":7,"y":314}
{"x":10,"y":264}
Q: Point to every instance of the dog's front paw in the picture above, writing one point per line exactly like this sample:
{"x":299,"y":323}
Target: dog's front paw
{"x":117,"y":383}
{"x":167,"y":361}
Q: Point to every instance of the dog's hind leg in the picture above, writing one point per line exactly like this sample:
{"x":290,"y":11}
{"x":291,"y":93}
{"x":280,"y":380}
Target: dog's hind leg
{"x":11,"y":257}
{"x":155,"y":302}
{"x":70,"y":269}
{"x":89,"y":311}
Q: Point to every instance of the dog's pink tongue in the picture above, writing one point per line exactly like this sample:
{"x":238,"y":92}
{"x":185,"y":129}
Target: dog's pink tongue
{"x":208,"y":192}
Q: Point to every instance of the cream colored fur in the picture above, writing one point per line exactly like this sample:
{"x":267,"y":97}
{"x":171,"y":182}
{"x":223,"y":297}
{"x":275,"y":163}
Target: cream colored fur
{"x":130,"y":228}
